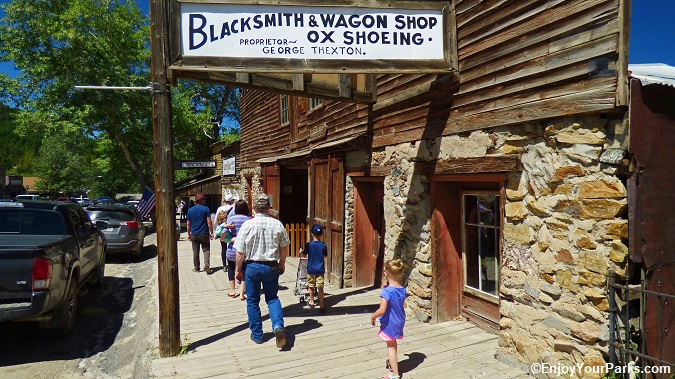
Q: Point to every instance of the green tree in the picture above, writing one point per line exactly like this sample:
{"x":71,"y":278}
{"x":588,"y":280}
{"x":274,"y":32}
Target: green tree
{"x":59,"y":44}
{"x":56,"y":45}
{"x":16,"y":150}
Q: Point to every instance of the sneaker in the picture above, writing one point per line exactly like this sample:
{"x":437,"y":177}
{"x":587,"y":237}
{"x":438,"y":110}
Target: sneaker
{"x":196,"y":269}
{"x":255,"y":340}
{"x":208,"y":271}
{"x":281,"y":338}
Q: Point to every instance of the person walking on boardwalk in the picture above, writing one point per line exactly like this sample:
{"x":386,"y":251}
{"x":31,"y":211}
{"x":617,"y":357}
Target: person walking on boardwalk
{"x":230,"y":256}
{"x":391,"y":313}
{"x":316,"y":251}
{"x":262,"y":243}
{"x":200,"y":232}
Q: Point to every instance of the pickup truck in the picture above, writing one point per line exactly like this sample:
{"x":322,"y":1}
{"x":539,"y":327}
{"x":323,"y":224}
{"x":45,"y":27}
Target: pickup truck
{"x":48,"y":252}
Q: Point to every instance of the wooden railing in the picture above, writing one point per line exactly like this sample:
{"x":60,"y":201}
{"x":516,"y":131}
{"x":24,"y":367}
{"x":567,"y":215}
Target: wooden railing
{"x":298,"y":236}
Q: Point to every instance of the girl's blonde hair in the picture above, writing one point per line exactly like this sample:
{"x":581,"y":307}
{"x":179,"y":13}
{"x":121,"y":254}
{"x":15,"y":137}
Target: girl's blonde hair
{"x":222,"y":217}
{"x":394,"y":267}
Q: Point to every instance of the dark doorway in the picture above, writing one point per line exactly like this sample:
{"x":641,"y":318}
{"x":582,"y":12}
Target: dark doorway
{"x":294,"y":189}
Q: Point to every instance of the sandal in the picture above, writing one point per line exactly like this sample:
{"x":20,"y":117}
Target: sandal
{"x":311,"y":305}
{"x":232,"y":294}
{"x":242,"y":298}
{"x":388,"y":366}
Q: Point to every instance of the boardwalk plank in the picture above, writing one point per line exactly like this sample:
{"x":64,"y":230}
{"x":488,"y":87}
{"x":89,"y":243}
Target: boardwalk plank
{"x":340,"y":343}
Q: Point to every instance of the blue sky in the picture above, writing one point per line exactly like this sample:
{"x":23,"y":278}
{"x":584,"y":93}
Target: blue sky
{"x":652,"y":35}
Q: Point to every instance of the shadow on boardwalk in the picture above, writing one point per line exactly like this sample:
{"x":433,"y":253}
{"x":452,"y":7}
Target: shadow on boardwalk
{"x":338,"y":344}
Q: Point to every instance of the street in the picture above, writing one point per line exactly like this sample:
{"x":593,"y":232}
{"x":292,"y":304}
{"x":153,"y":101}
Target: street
{"x":114,"y":335}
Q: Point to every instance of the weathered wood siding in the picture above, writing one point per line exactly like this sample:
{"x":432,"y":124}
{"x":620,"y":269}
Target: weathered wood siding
{"x":261,"y":134}
{"x":519,"y":61}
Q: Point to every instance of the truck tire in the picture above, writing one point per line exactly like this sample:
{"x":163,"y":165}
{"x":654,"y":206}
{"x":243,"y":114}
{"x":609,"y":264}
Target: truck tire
{"x":64,"y":317}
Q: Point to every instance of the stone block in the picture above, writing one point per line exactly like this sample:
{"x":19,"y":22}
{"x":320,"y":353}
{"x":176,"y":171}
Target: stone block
{"x":586,"y":243}
{"x":590,"y":312}
{"x":505,"y":323}
{"x":580,"y":136}
{"x":531,"y":290}
{"x":594,"y":293}
{"x":514,"y":192}
{"x":551,"y":289}
{"x":601,"y":208}
{"x":534,"y":207}
{"x":613,"y":229}
{"x":587,"y":278}
{"x":555,"y":323}
{"x":564,"y":189}
{"x":601,"y":189}
{"x":619,"y":252}
{"x":596,"y":367}
{"x":587,"y":331}
{"x":518,"y":234}
{"x":565,"y":172}
{"x":514,"y":211}
{"x":544,"y":298}
{"x":564,"y":256}
{"x":594,"y":261}
{"x":569,"y":313}
{"x":564,"y":278}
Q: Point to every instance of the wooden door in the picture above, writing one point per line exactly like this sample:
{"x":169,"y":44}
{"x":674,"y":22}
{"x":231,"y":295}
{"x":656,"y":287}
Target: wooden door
{"x":326,"y":208}
{"x":368,"y":232}
{"x":454,"y":292}
{"x":446,"y":253}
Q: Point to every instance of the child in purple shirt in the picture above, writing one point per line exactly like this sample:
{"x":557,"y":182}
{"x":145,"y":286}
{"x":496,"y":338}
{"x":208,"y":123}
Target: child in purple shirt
{"x":391,"y":313}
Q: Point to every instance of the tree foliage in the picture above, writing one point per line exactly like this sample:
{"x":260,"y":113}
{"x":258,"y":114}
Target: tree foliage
{"x":59,"y":44}
{"x":56,"y":45}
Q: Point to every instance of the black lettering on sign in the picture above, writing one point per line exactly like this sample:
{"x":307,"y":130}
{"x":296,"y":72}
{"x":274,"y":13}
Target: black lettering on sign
{"x":197,"y":30}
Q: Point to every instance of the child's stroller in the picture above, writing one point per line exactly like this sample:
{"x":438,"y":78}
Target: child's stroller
{"x":301,"y":282}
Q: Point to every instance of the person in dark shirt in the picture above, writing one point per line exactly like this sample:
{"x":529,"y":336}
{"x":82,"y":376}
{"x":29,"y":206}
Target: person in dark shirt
{"x":316,"y":252}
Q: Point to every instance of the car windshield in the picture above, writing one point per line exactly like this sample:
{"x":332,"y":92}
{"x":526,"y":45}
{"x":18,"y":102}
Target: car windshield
{"x":31,"y":221}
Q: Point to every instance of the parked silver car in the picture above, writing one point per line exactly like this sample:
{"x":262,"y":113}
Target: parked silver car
{"x":126,"y":232}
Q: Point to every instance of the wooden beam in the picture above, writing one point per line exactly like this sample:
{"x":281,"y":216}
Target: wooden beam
{"x":622,"y":98}
{"x":345,"y":86}
{"x":167,"y":249}
{"x":488,"y":164}
{"x":298,"y":82}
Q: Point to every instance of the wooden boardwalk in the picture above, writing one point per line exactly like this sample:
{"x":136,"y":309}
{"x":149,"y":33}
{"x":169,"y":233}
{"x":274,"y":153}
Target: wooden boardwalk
{"x":338,"y":344}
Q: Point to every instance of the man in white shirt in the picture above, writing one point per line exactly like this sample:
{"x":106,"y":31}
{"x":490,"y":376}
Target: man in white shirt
{"x":262,"y":242}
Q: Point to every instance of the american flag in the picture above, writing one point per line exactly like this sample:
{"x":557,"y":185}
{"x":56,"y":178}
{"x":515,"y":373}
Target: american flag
{"x":147,"y":202}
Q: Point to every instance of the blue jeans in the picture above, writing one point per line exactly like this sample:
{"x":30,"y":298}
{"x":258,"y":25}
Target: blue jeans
{"x":268,"y":275}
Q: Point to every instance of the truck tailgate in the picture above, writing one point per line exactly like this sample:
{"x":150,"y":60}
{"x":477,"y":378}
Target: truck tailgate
{"x":16,"y":268}
{"x":16,"y":278}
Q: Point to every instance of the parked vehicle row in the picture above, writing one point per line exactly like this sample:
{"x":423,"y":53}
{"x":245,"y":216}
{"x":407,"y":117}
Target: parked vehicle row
{"x":48,"y":252}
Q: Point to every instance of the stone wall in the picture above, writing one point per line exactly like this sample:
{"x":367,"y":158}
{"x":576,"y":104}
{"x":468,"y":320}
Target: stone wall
{"x":565,"y":231}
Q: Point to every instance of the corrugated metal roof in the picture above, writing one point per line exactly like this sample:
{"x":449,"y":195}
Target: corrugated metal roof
{"x":653,"y":73}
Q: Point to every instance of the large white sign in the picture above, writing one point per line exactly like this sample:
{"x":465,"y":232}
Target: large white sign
{"x":310,"y":32}
{"x":229,"y":166}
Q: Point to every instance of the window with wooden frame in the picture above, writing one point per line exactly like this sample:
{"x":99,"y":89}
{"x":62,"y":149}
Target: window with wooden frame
{"x":481,"y":233}
{"x":284,"y":112}
{"x":314,"y":103}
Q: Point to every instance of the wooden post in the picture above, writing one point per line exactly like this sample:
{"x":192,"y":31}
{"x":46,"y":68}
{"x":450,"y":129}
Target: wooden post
{"x":167,"y":254}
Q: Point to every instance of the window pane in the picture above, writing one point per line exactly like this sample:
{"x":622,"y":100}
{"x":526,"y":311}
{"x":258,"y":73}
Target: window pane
{"x":488,"y":209}
{"x":481,"y":242}
{"x":471,"y":248}
{"x":489,"y":257}
{"x":315,"y":103}
{"x":470,"y":212}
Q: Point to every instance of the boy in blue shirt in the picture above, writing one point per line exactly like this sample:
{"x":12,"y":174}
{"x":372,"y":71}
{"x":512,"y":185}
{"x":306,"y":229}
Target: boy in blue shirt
{"x":316,"y":251}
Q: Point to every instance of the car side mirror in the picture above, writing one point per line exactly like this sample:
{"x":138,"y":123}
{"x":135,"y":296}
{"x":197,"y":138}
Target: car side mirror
{"x":102,"y":225}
